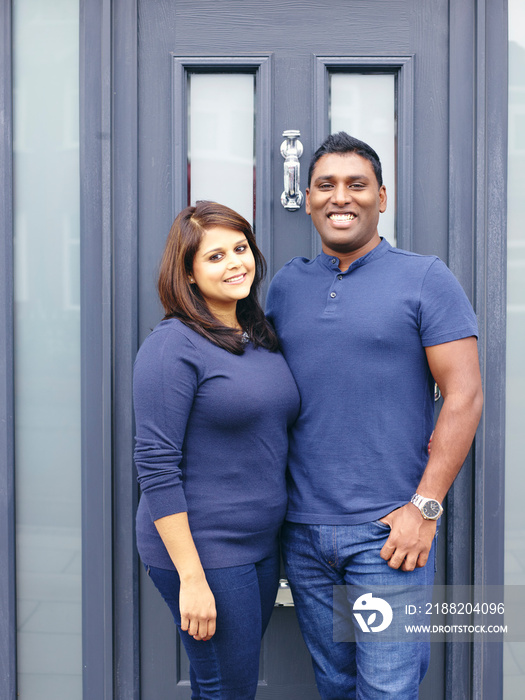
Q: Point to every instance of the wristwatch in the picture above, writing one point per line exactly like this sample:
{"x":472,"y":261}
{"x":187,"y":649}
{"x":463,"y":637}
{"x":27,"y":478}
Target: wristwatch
{"x":429,"y":508}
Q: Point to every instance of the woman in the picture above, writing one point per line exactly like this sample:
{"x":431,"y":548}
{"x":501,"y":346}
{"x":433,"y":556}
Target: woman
{"x":214,"y":400}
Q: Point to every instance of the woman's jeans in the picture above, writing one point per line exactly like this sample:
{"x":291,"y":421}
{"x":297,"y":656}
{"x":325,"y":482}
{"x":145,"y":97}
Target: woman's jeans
{"x":319,"y":557}
{"x":227,"y":665}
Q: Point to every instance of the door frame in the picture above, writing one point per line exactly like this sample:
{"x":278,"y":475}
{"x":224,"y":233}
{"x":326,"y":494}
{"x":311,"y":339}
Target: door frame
{"x":109,"y":234}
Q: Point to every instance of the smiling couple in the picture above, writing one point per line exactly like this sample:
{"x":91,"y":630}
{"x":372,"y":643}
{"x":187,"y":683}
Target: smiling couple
{"x":318,"y":415}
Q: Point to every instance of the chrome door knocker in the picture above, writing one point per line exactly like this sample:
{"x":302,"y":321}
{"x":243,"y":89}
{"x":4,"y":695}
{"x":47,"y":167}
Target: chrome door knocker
{"x":291,"y":150}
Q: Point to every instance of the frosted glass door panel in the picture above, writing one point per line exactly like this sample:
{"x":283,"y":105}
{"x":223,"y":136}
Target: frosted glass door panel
{"x":514,"y":653}
{"x":363,"y":105}
{"x":222,"y":139}
{"x":47,"y":349}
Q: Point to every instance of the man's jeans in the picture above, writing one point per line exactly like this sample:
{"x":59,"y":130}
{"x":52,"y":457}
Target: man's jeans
{"x":318,"y":557}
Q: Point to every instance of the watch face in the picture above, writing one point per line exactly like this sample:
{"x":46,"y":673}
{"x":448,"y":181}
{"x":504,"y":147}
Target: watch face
{"x":431,"y":510}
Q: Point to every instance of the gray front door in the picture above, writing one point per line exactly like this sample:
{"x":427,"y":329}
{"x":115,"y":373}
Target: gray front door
{"x":378,"y":68}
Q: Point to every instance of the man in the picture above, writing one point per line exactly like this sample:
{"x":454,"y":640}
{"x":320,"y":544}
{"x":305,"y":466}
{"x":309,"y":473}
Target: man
{"x":366,"y":330}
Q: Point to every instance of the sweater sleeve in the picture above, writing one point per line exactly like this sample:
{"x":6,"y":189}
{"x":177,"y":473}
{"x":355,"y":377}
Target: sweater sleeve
{"x":165,"y":381}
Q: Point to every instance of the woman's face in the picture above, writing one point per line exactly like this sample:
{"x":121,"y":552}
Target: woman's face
{"x":223,"y":269}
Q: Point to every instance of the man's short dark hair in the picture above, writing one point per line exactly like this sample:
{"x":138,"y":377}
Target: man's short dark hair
{"x":343,"y":143}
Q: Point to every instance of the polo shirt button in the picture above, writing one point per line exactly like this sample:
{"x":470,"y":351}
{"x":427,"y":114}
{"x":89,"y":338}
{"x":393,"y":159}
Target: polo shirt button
{"x":339,"y":277}
{"x":334,"y":260}
{"x":333,"y":295}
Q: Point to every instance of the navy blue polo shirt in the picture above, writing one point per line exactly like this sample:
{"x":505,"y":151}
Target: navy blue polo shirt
{"x":355,"y":342}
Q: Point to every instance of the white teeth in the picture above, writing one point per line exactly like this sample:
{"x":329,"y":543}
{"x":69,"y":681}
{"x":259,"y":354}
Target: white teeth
{"x":235,"y":279}
{"x":342,"y":217}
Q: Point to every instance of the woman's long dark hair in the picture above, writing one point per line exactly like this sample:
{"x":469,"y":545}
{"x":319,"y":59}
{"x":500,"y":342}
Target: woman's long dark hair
{"x":183,"y":300}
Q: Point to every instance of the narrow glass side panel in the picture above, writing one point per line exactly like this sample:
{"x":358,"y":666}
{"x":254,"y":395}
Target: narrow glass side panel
{"x":514,"y":653}
{"x":221,"y":125}
{"x":47,"y":349}
{"x":363,"y":105}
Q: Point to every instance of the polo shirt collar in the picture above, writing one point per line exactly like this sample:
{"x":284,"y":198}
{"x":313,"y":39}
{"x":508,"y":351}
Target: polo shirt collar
{"x":332,"y":262}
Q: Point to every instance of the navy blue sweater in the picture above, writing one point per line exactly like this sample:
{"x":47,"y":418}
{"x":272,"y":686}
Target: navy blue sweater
{"x":211,"y":440}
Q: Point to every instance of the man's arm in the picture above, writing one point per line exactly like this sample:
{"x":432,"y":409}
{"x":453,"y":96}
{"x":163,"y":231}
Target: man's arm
{"x":455,"y":368}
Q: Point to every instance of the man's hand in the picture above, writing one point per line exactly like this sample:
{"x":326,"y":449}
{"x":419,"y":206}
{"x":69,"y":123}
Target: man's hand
{"x":410,"y":539}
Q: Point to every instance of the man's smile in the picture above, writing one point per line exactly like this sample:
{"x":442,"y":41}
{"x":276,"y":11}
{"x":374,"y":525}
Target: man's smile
{"x":342,"y":217}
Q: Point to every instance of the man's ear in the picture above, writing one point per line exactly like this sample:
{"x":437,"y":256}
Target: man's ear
{"x":382,"y":199}
{"x":307,"y":201}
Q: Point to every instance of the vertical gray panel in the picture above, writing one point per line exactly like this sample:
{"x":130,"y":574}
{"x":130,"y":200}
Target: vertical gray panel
{"x":490,"y":221}
{"x":461,"y":261}
{"x":96,"y":339}
{"x":405,"y":152}
{"x":7,"y":515}
{"x":263,"y":162}
{"x":125,"y":214}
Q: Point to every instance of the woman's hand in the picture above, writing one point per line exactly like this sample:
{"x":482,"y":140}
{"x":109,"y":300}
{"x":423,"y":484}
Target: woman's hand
{"x":196,"y":601}
{"x":197,"y":609}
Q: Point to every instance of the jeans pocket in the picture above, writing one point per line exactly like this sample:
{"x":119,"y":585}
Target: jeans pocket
{"x":382,"y":525}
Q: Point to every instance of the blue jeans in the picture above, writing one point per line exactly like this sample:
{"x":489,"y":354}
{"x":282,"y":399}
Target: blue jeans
{"x":319,"y":557}
{"x":227,"y":665}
